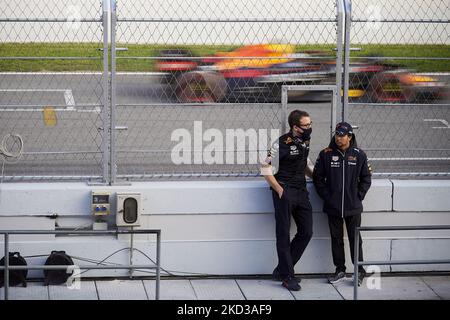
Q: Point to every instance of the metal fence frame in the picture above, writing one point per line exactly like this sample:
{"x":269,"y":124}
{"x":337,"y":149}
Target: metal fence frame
{"x":357,"y":263}
{"x":346,"y":56}
{"x":107,"y":96}
{"x":342,"y":7}
{"x":349,"y":19}
{"x":131,"y":267}
{"x":108,"y":148}
{"x":334,"y":101}
{"x":104,"y":175}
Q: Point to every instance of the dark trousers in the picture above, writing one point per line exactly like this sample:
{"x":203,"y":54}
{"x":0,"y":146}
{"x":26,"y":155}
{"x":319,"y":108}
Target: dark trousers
{"x":336,"y":225}
{"x":294,"y":202}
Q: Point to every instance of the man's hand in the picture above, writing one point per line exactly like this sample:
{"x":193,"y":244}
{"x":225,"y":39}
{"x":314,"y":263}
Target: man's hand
{"x":266,"y":171}
{"x":280,"y":192}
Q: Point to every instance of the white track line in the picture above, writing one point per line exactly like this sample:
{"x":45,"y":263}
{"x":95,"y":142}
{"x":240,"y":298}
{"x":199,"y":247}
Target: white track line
{"x":81,"y":73}
{"x":68,"y":97}
{"x":435,"y":73}
{"x":34,"y":90}
{"x":70,"y":100}
{"x":95,"y":110}
{"x":33,"y":110}
{"x":443,"y":121}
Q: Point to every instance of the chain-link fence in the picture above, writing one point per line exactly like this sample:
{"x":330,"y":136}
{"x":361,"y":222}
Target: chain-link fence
{"x":210,"y":101}
{"x":399,"y":84}
{"x":156,"y":89}
{"x":52,"y":87}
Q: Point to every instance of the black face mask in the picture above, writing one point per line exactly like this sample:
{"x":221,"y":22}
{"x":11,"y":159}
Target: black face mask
{"x":306,"y":135}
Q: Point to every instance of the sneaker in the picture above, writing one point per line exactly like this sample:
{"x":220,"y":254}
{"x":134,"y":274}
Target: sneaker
{"x":276,"y":276}
{"x":337,"y":277}
{"x":291,"y":284}
{"x":361,"y":276}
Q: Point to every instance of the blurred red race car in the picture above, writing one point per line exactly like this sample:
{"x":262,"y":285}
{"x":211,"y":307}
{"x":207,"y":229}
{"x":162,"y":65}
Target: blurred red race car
{"x":249,"y":73}
{"x":379,"y":82}
{"x":256,"y":73}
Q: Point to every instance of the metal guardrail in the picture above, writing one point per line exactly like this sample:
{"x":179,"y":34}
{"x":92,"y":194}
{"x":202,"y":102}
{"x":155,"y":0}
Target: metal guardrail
{"x":357,"y":263}
{"x":157,"y":265}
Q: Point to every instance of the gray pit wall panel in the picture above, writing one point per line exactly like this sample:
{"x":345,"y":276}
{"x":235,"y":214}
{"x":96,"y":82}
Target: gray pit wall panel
{"x":186,"y":197}
{"x":421,"y":195}
{"x":220,"y":227}
{"x":423,"y":249}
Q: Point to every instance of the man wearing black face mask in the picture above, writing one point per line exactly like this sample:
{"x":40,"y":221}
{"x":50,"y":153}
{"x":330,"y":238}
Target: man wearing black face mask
{"x":285,"y":171}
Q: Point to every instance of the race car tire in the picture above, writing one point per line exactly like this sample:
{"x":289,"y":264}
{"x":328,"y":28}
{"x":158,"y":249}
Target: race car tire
{"x":387,"y":88}
{"x":203,"y":87}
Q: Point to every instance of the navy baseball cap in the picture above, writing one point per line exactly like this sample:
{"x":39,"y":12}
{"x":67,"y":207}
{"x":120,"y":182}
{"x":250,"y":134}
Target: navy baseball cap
{"x":343,"y":128}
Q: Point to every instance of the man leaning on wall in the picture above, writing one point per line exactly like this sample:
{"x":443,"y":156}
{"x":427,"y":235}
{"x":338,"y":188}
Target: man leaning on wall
{"x":285,"y":170}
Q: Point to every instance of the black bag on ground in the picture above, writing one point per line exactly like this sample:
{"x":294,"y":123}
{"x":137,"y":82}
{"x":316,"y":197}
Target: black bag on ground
{"x":55,"y":277}
{"x":16,"y":277}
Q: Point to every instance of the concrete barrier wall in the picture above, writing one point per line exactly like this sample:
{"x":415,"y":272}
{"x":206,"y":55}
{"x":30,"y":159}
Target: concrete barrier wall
{"x":224,"y":227}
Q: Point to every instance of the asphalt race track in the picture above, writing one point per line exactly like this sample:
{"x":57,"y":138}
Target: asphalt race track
{"x":397,"y":138}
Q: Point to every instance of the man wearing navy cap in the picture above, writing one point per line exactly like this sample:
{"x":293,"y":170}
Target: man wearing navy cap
{"x":342,"y":177}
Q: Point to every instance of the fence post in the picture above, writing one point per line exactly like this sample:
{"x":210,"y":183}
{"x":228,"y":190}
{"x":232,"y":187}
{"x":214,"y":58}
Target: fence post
{"x":158,"y":264}
{"x":106,"y":97}
{"x":339,"y":53}
{"x":356,"y":264}
{"x":6,"y":271}
{"x":112,"y":133}
{"x":348,"y":21}
{"x":284,"y":102}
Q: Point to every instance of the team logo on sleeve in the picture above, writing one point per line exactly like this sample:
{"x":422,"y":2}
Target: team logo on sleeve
{"x":288,"y":140}
{"x":274,"y":150}
{"x":270,"y":165}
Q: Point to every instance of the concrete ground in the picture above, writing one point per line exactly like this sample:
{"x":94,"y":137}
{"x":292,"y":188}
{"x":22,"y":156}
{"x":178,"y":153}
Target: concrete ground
{"x":425,"y":287}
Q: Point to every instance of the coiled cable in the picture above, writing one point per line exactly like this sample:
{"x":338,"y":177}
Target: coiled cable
{"x":11,"y":150}
{"x":11,"y":147}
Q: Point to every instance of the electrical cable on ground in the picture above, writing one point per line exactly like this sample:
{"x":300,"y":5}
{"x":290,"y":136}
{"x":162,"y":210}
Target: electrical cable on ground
{"x":104,"y":262}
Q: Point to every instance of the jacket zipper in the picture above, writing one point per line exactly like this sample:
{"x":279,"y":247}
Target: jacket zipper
{"x":343,"y":181}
